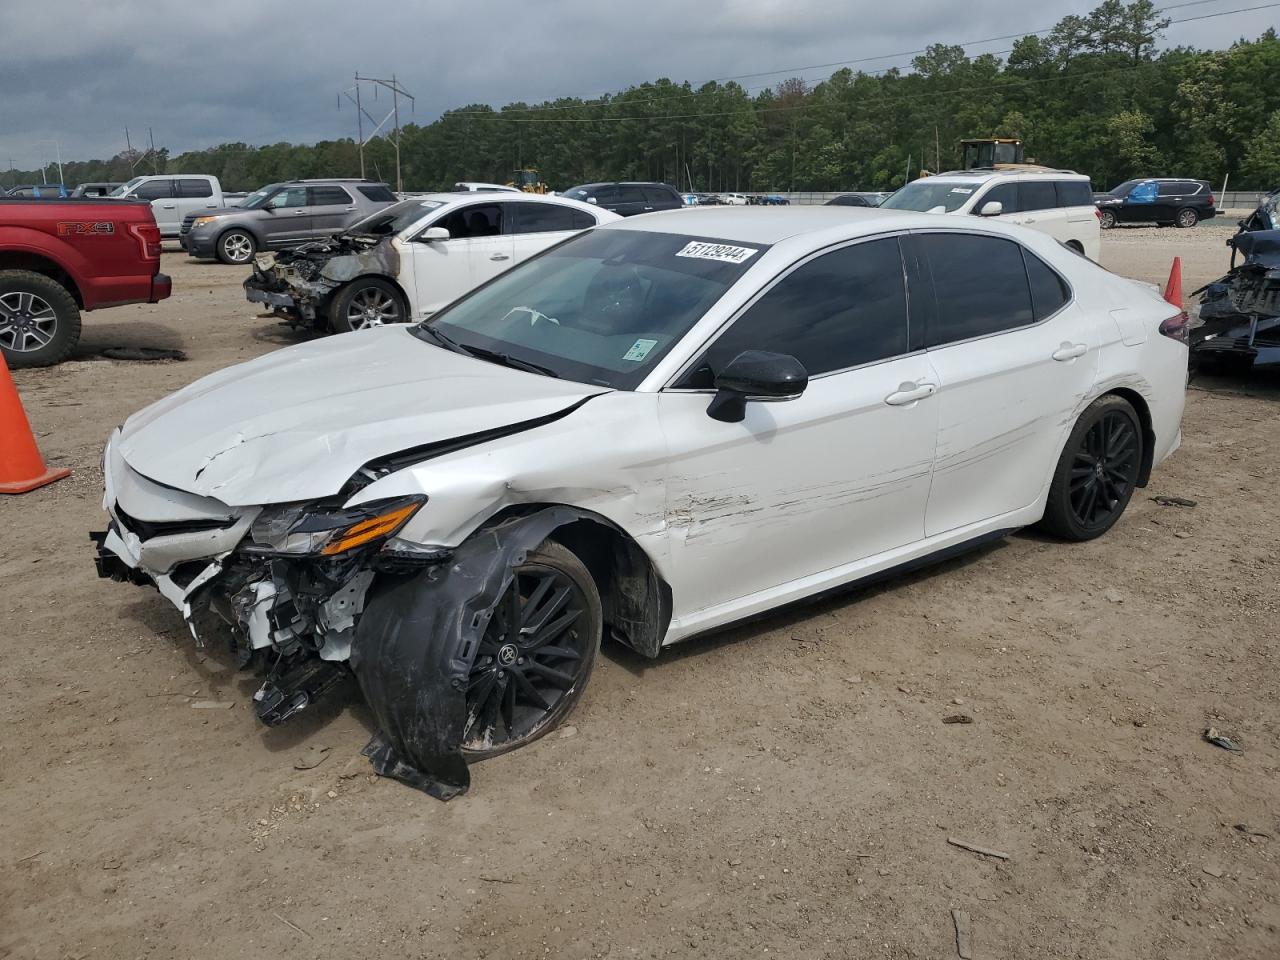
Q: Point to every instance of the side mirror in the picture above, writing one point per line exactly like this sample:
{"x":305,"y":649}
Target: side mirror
{"x":432,"y":234}
{"x":755,"y":375}
{"x":992,"y":208}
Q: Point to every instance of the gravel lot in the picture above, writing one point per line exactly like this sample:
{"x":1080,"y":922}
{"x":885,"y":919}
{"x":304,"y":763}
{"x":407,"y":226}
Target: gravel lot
{"x":785,"y":789}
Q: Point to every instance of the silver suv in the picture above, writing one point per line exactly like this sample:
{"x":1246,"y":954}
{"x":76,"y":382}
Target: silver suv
{"x":281,"y":215}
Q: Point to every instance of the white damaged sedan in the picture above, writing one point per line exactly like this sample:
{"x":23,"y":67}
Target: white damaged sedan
{"x":653,"y":429}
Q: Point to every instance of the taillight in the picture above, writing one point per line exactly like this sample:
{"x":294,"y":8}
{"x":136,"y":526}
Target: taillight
{"x":1097,"y":213}
{"x":1176,"y":327}
{"x":1211,"y":200}
{"x":148,"y":236}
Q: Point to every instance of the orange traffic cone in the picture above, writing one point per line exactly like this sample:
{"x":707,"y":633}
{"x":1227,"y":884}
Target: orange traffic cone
{"x":1173,"y":289}
{"x":21,"y":468}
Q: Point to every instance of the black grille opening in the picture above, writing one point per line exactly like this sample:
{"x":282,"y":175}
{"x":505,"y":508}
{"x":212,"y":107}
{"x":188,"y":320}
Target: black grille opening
{"x":146,"y":529}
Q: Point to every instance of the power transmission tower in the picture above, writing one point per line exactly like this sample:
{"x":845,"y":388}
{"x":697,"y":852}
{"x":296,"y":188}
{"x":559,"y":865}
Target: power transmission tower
{"x":397,"y":91}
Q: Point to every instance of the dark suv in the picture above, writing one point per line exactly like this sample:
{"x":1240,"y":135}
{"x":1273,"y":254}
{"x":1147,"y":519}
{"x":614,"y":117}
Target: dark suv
{"x":281,"y":215}
{"x":627,"y":199}
{"x":1159,"y":199}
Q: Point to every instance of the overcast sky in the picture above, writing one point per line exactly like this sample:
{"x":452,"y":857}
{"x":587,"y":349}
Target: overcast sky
{"x":199,"y":74}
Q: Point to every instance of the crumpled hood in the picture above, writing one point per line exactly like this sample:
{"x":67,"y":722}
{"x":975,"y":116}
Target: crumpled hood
{"x":297,"y":423}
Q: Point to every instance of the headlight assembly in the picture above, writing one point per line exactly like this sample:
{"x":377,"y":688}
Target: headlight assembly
{"x":304,"y":530}
{"x":201,"y":221}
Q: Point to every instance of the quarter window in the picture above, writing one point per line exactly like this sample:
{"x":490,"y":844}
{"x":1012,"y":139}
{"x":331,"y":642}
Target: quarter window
{"x":329,"y":196}
{"x":1048,"y":290}
{"x":839,"y":310}
{"x":192,"y":188}
{"x":980,"y":285}
{"x":1037,"y":195}
{"x":378,"y":193}
{"x":545,"y":218}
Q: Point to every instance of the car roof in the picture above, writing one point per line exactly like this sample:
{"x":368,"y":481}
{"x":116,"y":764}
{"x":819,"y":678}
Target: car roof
{"x":983,"y":176}
{"x":771,"y":226}
{"x":456,"y":198}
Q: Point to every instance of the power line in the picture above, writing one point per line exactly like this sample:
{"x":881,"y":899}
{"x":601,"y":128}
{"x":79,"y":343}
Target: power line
{"x":497,"y":118}
{"x":836,"y":63}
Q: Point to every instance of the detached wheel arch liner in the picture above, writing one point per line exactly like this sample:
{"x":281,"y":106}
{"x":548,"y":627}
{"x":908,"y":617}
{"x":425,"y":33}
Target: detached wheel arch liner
{"x":419,"y":636}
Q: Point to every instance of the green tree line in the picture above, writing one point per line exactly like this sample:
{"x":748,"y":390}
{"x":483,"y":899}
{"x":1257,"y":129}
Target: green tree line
{"x":1092,"y":95}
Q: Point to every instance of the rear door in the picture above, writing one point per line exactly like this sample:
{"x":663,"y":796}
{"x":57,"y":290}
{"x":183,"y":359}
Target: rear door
{"x":1039,"y":210}
{"x":194,"y":195}
{"x":663,"y":198}
{"x":1014,"y":355}
{"x":332,"y":208}
{"x":479,"y":248}
{"x":535,"y":226}
{"x":163,"y":204}
{"x":287,"y":218}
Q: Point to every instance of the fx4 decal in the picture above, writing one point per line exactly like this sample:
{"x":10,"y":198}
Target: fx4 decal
{"x":85,"y":228}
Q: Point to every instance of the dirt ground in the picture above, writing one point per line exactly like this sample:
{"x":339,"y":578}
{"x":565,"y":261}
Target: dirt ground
{"x":786,"y":789}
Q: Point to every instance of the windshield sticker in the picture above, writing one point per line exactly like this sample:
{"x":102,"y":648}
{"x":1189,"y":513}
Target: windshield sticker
{"x":964,"y":190}
{"x":640,"y":349}
{"x":714,"y":251}
{"x":431,"y":204}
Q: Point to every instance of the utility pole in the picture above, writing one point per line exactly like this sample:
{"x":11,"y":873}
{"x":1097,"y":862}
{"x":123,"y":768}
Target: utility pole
{"x":397,"y":91}
{"x":152,"y":141}
{"x":57,"y":147}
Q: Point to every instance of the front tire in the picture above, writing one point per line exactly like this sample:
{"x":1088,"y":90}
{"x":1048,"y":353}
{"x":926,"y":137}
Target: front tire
{"x":39,"y":320}
{"x":1097,"y":472}
{"x":367,"y":302}
{"x":536,"y":655}
{"x":1187,"y":217}
{"x":236,"y":247}
{"x":1106,"y":220}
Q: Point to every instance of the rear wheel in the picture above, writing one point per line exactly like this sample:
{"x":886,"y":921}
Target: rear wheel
{"x":536,"y":655}
{"x":236,"y":246}
{"x":367,"y":302}
{"x":1106,"y":219}
{"x":1097,"y":472}
{"x":39,"y":320}
{"x":1187,"y":217}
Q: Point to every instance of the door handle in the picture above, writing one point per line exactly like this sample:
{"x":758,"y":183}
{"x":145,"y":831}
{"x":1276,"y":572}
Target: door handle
{"x":299,"y":213}
{"x":908,"y":393}
{"x":499,"y":256}
{"x":167,"y":206}
{"x":1069,"y":351}
{"x":350,"y":209}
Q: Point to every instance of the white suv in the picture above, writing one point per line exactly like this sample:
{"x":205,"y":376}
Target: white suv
{"x":1056,"y":202}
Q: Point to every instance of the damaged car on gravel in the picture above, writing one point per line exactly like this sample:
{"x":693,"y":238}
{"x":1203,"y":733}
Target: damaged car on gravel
{"x":656,"y":428}
{"x":1239,"y":324}
{"x":410,"y":259}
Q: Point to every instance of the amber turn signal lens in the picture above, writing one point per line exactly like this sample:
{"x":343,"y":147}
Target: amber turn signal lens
{"x":374,"y":528}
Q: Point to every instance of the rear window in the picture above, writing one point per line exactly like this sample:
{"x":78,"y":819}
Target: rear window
{"x":154,"y":190}
{"x":195,"y":188}
{"x":1074,"y":193}
{"x":378,"y":193}
{"x":1048,"y":290}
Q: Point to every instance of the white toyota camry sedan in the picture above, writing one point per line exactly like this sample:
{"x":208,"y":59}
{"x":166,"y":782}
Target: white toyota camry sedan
{"x":655,"y":428}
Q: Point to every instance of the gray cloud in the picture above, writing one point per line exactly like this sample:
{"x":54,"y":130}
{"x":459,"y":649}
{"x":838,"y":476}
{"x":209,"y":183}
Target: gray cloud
{"x":245,"y":70}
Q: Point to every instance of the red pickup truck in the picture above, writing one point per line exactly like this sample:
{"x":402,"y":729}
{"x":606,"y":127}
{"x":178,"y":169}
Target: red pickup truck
{"x":59,"y":257}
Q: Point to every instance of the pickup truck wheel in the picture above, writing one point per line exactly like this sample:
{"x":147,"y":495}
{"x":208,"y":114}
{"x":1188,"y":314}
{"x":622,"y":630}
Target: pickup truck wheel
{"x":367,"y":302}
{"x":236,"y":246}
{"x":39,"y":320}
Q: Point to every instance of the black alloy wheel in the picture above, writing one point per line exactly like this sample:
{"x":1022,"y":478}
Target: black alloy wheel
{"x":1097,"y":472}
{"x":536,"y":655}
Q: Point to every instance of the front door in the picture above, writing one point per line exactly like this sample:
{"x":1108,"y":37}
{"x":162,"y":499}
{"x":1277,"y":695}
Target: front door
{"x":288,"y":219}
{"x":1014,"y":355}
{"x":478,"y":249}
{"x":801,"y":487}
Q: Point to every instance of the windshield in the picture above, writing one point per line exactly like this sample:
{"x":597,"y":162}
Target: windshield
{"x":258,"y":197}
{"x":396,"y":217}
{"x":925,"y":195}
{"x":603,"y":307}
{"x":124,"y":188}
